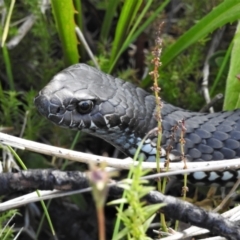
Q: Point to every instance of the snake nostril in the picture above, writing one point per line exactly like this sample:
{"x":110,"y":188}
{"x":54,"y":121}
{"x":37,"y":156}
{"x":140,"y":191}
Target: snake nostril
{"x":58,"y":110}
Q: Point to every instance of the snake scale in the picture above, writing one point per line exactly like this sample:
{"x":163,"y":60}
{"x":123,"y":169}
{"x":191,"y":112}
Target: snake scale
{"x":83,"y":98}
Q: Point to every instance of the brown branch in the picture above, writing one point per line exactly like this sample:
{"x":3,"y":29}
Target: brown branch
{"x":187,"y":212}
{"x":47,"y":179}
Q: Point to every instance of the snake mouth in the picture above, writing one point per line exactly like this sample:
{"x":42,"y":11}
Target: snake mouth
{"x":52,"y":109}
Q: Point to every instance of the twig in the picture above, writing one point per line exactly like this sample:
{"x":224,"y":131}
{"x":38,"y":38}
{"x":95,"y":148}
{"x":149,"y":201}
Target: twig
{"x":212,"y":102}
{"x":233,"y":190}
{"x":22,"y":31}
{"x":187,"y":212}
{"x":84,"y":42}
{"x":175,"y":208}
{"x":230,"y":164}
{"x":215,"y":42}
{"x":43,"y":179}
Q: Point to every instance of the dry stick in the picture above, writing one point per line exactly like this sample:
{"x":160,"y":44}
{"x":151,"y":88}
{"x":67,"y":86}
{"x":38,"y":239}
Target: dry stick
{"x":23,"y":144}
{"x":234,"y":188}
{"x":84,"y":42}
{"x":47,"y":187}
{"x":176,"y":209}
{"x":195,"y":231}
{"x":211,"y":103}
{"x":43,"y":179}
{"x":215,"y":223}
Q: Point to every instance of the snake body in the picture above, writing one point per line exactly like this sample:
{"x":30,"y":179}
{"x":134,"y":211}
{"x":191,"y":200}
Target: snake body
{"x":84,"y":98}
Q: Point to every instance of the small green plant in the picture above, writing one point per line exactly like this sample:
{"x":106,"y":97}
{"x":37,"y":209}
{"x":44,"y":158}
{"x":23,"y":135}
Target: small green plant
{"x":138,"y":216}
{"x":6,"y":224}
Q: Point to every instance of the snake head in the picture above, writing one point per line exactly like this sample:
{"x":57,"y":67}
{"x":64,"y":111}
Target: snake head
{"x":82,"y":97}
{"x":77,"y":98}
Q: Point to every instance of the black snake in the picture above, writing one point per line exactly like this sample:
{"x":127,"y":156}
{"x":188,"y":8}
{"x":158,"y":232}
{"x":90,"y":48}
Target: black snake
{"x":84,"y":98}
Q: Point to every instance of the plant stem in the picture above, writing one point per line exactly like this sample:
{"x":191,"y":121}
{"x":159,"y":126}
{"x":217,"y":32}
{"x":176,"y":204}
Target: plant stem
{"x":101,"y":223}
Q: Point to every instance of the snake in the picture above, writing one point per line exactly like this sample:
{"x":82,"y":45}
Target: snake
{"x":84,"y":98}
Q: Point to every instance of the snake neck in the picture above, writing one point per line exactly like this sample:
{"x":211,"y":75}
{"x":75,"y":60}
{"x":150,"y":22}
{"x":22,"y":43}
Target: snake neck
{"x":126,"y":126}
{"x":127,"y":131}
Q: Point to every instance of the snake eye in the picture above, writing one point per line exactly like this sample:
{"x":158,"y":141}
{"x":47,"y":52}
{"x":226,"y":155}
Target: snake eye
{"x":85,"y":106}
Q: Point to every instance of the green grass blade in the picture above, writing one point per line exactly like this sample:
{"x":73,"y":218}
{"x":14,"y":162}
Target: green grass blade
{"x":108,"y":18}
{"x":232,"y":94}
{"x":79,"y":22}
{"x":127,"y":15}
{"x":64,"y":16}
{"x":138,"y":29}
{"x":226,"y":12}
{"x":79,"y":10}
{"x":8,"y":67}
{"x":4,"y":48}
{"x":144,"y":25}
{"x":134,"y":13}
{"x":221,"y":69}
{"x":7,"y":24}
{"x":129,"y":38}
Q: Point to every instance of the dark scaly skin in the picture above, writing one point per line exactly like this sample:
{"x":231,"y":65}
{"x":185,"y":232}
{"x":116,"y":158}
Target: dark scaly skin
{"x":123,"y":114}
